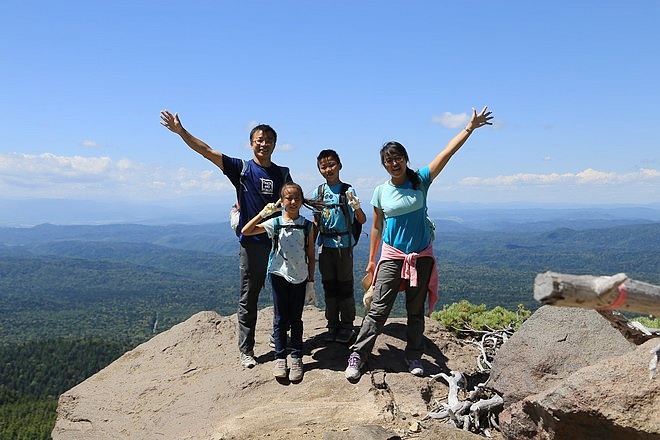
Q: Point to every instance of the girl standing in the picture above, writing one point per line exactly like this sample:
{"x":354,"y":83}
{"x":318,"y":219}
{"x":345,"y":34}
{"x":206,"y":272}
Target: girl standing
{"x":291,"y":270}
{"x":406,"y":260}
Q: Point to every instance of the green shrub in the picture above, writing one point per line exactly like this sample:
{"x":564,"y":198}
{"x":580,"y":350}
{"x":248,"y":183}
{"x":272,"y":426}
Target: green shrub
{"x":465,"y":317}
{"x":651,"y":323}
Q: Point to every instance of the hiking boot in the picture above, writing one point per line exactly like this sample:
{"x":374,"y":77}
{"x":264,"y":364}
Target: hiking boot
{"x":415,"y":367}
{"x":248,"y":360}
{"x":355,"y":363}
{"x":331,"y":335}
{"x":297,"y":369}
{"x":280,"y":368}
{"x":344,"y":335}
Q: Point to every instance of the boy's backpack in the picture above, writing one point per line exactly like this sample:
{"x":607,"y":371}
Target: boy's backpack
{"x":355,"y":228}
{"x":235,"y":213}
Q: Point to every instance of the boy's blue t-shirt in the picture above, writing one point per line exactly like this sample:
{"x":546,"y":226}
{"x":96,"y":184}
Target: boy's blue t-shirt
{"x":405,"y":227}
{"x":333,"y":217}
{"x":259,"y":187}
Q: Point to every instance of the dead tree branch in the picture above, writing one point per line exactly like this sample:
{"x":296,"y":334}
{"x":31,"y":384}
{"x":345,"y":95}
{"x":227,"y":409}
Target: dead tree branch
{"x":616,"y":292}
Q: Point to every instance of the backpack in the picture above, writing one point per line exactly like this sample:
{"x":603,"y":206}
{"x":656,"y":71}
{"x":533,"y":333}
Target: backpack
{"x":235,"y":212}
{"x":278,"y":226}
{"x":355,"y":228}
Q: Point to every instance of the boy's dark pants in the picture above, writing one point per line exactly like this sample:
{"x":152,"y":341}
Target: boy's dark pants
{"x":336,"y":267}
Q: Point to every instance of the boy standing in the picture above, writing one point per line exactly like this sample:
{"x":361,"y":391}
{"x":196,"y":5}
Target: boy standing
{"x":336,"y":242}
{"x":257,"y":185}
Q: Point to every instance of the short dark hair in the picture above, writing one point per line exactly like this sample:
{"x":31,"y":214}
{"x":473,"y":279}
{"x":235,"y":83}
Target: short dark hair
{"x":332,"y":154}
{"x":267,"y":129}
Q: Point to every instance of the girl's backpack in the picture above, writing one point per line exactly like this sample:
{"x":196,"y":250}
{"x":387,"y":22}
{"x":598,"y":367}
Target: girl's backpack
{"x":278,"y":226}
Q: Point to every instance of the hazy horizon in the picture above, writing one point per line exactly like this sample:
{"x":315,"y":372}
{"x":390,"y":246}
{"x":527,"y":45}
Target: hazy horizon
{"x":202,"y":210}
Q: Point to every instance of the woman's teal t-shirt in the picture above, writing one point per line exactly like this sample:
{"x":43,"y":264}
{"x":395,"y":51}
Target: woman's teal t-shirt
{"x":405,"y":226}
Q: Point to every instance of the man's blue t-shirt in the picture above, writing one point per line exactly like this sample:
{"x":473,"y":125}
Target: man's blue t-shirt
{"x":404,"y":208}
{"x":258,"y":187}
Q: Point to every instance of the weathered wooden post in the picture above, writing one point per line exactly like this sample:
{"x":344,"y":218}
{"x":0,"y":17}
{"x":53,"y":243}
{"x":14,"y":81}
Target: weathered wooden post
{"x":616,"y":292}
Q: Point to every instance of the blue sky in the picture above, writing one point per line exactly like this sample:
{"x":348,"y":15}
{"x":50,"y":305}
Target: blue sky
{"x":573,"y":87}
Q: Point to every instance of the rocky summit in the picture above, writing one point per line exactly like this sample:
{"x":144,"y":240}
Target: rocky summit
{"x":186,"y":383}
{"x":566,"y":374}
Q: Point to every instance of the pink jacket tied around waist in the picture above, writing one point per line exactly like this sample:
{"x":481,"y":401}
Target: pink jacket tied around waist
{"x":409,"y":269}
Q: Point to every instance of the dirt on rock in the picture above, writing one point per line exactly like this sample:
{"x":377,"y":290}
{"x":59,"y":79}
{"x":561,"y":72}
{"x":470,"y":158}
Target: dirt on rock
{"x":186,"y":383}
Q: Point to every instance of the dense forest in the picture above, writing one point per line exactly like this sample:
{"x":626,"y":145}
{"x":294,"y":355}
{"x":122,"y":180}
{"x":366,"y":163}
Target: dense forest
{"x":33,"y":374}
{"x":74,"y":298}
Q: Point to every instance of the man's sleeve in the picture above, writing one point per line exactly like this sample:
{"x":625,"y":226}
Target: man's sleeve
{"x":232,"y":169}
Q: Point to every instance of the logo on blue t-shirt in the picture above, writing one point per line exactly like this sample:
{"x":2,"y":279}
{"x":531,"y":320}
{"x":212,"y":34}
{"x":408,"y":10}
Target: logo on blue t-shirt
{"x":266,"y":186}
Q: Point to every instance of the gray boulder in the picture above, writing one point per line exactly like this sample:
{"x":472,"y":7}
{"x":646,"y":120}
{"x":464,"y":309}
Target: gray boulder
{"x":568,"y":374}
{"x":552,"y":344}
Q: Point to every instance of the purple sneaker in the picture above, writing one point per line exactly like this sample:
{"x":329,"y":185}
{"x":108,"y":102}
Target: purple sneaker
{"x":355,"y":363}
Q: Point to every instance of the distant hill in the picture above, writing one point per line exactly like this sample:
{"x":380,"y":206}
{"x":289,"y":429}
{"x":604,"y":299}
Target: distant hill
{"x":125,"y":278}
{"x":201,"y":210}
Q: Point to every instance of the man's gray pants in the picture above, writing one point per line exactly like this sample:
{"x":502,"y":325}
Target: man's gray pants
{"x":253,"y":262}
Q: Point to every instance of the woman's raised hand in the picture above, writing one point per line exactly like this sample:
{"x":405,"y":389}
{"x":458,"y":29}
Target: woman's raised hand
{"x":481,"y":119}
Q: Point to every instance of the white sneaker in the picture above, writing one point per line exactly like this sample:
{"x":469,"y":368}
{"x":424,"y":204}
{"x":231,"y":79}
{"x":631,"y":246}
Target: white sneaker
{"x":248,"y":360}
{"x":415,"y":367}
{"x":280,"y":368}
{"x":297,"y":370}
{"x":355,"y":363}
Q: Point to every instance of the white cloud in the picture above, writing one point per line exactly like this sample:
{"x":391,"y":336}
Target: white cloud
{"x":586,"y":177}
{"x":451,"y":120}
{"x":285,"y":147}
{"x":89,"y":143}
{"x":48,"y":175}
{"x":46,"y":164}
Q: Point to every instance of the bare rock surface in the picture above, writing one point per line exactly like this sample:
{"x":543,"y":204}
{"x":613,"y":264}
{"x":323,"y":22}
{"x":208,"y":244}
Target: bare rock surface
{"x":568,"y":374}
{"x":186,"y":383}
{"x":614,"y":397}
{"x":552,"y":344}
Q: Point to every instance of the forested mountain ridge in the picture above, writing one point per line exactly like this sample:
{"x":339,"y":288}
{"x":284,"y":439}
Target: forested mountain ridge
{"x":82,"y":295}
{"x":115,"y":279}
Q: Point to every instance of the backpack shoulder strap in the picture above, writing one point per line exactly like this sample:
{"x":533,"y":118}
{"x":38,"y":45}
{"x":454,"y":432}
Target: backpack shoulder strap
{"x":277,"y":226}
{"x":285,"y":174}
{"x":317,"y":212}
{"x":378,"y":191}
{"x":343,"y":202}
{"x":244,"y":166}
{"x":308,"y":229}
